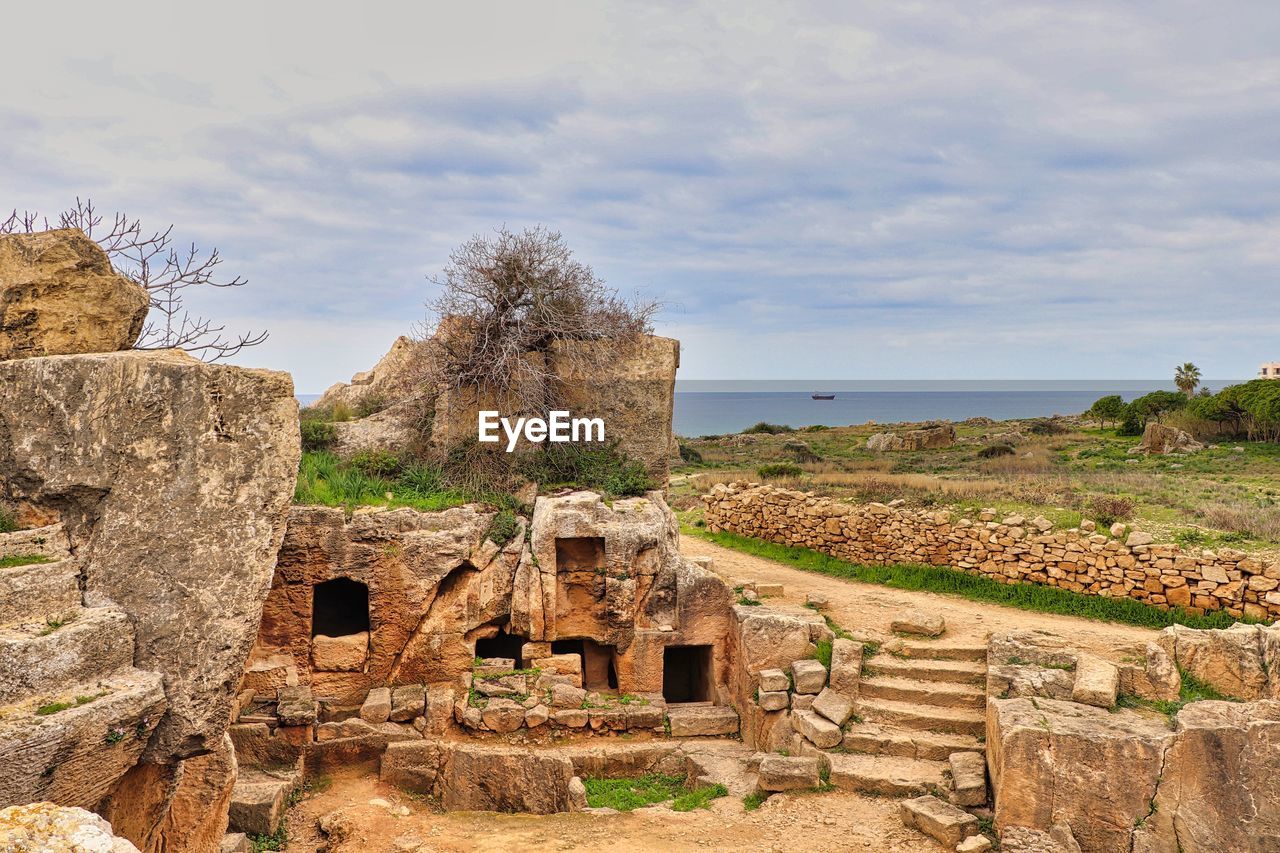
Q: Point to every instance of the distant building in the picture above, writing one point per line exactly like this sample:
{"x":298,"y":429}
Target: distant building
{"x":1270,"y":370}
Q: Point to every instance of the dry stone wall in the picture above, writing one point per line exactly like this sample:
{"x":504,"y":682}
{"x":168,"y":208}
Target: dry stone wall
{"x":1010,"y":550}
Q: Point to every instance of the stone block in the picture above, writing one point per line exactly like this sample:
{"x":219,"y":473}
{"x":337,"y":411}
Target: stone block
{"x":941,"y":821}
{"x":919,"y":623}
{"x":820,"y":731}
{"x":408,"y":701}
{"x":782,"y":773}
{"x":772,"y":680}
{"x":1096,"y":682}
{"x":774,"y":700}
{"x":808,"y":676}
{"x":968,"y":778}
{"x":833,"y":706}
{"x":377,"y":706}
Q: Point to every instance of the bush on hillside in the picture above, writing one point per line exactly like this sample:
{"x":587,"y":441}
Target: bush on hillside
{"x":779,"y":471}
{"x":1108,"y":509}
{"x":766,"y":428}
{"x":991,"y":451}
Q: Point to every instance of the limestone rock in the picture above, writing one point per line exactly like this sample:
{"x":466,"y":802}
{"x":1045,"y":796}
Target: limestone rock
{"x":377,"y":706}
{"x":771,"y":640}
{"x":1161,"y":439}
{"x":1096,"y":682}
{"x":938,"y":819}
{"x":60,"y":296}
{"x":820,"y":731}
{"x":1021,"y":839}
{"x":974,"y":844}
{"x":1053,"y":761}
{"x":189,"y":561}
{"x":407,"y":702}
{"x":780,"y":773}
{"x":919,"y":623}
{"x":834,"y":706}
{"x":506,"y":779}
{"x":775,"y":700}
{"x":391,"y":430}
{"x":1234,"y":661}
{"x":386,"y":383}
{"x":567,"y":696}
{"x":412,"y":765}
{"x":48,"y":827}
{"x":929,"y":438}
{"x":503,"y":715}
{"x":772,"y":680}
{"x":846,"y":667}
{"x":968,"y":778}
{"x":577,"y":795}
{"x":340,"y":654}
{"x":809,"y":676}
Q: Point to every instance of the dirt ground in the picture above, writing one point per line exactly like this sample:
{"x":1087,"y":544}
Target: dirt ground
{"x":382,"y":818}
{"x":868,"y":609}
{"x":395,"y":821}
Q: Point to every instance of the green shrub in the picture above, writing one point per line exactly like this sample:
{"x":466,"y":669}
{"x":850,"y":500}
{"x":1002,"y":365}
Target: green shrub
{"x":779,"y":470}
{"x":822,"y":652}
{"x":503,"y":528}
{"x":698,"y":798}
{"x":370,"y":404}
{"x":317,"y":435}
{"x":8,"y":523}
{"x":1108,"y":509}
{"x":1046,"y":426}
{"x":754,"y":800}
{"x":376,"y":463}
{"x":991,"y":451}
{"x":800,"y":451}
{"x":763,"y":427}
{"x":422,"y":478}
{"x":1109,"y":408}
{"x":1132,"y":424}
{"x":603,"y":468}
{"x":627,"y":794}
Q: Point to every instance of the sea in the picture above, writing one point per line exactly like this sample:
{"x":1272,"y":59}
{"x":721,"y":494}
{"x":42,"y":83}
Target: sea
{"x":718,"y":407}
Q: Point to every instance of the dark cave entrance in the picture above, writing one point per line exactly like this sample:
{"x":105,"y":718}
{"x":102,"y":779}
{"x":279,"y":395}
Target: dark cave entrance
{"x":501,"y":645}
{"x":339,"y":607}
{"x":686,"y":673}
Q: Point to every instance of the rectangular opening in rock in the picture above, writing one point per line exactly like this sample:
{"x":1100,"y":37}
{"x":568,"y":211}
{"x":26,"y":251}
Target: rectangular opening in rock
{"x":687,"y":673}
{"x":501,"y":645}
{"x":598,"y":669}
{"x":575,"y":553}
{"x":339,"y":607}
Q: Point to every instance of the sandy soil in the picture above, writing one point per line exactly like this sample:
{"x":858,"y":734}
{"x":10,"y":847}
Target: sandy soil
{"x":868,"y":609}
{"x":808,"y":822}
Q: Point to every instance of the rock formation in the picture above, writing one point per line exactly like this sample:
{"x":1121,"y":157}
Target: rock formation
{"x":59,"y":295}
{"x":927,"y":438}
{"x":1161,"y":439}
{"x":157,"y":485}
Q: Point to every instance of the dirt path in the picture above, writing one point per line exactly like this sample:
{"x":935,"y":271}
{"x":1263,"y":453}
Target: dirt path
{"x":868,"y":608}
{"x":785,"y":823}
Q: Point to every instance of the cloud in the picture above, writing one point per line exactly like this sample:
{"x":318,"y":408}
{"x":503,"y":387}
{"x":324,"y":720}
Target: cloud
{"x":878,"y":190}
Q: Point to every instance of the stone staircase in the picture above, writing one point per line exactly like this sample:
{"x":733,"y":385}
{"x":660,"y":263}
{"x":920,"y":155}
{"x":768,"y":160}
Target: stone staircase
{"x":916,"y":707}
{"x":74,"y":712}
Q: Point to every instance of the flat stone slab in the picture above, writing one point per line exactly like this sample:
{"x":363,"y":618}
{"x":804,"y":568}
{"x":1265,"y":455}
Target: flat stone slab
{"x":772,"y":680}
{"x":919,"y":623}
{"x":968,"y":778}
{"x":702,"y":720}
{"x":941,"y":821}
{"x":783,"y":773}
{"x":820,"y":731}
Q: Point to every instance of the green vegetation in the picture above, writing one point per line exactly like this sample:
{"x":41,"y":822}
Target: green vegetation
{"x":605,"y":469}
{"x":275,"y":841}
{"x":823,"y":652}
{"x":698,"y":798}
{"x":779,"y":470}
{"x":627,"y":794}
{"x":317,"y":434}
{"x":22,"y":560}
{"x":326,"y":480}
{"x":754,"y":800}
{"x":991,"y":451}
{"x":8,"y":523}
{"x":764,"y":428}
{"x":53,"y":623}
{"x":58,"y":707}
{"x":503,"y":528}
{"x":1033,"y":597}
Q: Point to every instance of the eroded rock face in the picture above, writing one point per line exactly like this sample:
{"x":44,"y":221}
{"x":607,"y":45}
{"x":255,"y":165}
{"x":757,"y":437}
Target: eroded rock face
{"x":505,"y":779}
{"x":173,"y":478}
{"x":59,"y":296}
{"x":1242,"y":661}
{"x":1162,"y":439}
{"x":385,"y":383}
{"x":929,"y":438}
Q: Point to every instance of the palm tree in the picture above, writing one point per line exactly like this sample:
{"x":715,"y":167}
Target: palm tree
{"x":1187,"y":377}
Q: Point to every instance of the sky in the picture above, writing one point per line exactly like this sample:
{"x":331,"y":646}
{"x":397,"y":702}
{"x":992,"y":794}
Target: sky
{"x":905,"y":189}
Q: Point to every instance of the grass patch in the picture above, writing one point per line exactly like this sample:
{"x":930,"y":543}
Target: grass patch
{"x":698,"y":798}
{"x":627,"y":794}
{"x":754,"y":800}
{"x":22,"y":560}
{"x":326,"y":480}
{"x":275,"y":841}
{"x":57,"y":707}
{"x":1192,"y":690}
{"x":949,"y":581}
{"x":823,"y":653}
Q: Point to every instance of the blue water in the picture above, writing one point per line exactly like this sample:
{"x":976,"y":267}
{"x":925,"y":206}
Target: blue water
{"x":706,"y":407}
{"x":718,"y":407}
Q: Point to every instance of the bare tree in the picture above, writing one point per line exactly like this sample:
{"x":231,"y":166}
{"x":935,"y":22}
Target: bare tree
{"x":506,"y":301}
{"x":163,"y":269}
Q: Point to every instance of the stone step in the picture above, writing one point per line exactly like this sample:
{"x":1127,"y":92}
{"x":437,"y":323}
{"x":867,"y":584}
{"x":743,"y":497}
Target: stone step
{"x":908,"y":715}
{"x":38,"y":659}
{"x":925,"y":650}
{"x":700,"y":719}
{"x":259,"y":801}
{"x":876,"y":739}
{"x":886,"y":775}
{"x":73,"y":747}
{"x":37,"y":591}
{"x":956,"y":672}
{"x":939,"y":693}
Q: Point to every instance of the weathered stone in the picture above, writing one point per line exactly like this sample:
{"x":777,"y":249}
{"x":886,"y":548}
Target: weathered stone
{"x":1162,"y":439}
{"x":412,"y":765}
{"x":702,"y":721}
{"x":340,"y":654}
{"x":189,"y":561}
{"x":808,"y":676}
{"x":1096,"y":682}
{"x":938,"y":819}
{"x":820,"y":731}
{"x":846,"y":667}
{"x":503,"y":715}
{"x":570,"y":718}
{"x":780,"y":773}
{"x":567,"y":696}
{"x":834,"y":706}
{"x":930,"y":438}
{"x":505,"y":779}
{"x":39,"y":827}
{"x":235,"y":842}
{"x":377,"y":706}
{"x":257,"y":806}
{"x":919,"y":623}
{"x":60,"y":296}
{"x":773,"y":680}
{"x":775,"y":700}
{"x":771,"y":640}
{"x":974,"y":844}
{"x":536,"y":716}
{"x":968,"y":778}
{"x":295,"y":706}
{"x":802,"y":701}
{"x":577,"y":795}
{"x":407,"y":702}
{"x":1137,"y":537}
{"x":1232,"y":661}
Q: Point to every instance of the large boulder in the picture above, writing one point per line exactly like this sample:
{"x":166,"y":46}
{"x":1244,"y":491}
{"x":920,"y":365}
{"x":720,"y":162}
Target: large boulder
{"x":386,"y":383}
{"x":505,"y":779}
{"x":934,"y":437}
{"x":1053,"y":761}
{"x":1161,"y":439}
{"x":1241,"y":662}
{"x":1221,"y":782}
{"x":173,"y":478}
{"x":59,"y":296}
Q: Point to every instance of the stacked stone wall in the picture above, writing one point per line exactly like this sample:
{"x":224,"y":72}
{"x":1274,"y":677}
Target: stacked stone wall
{"x":1012,"y":549}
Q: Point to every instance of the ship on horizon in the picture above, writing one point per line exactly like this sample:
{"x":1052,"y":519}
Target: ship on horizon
{"x":818,"y":395}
